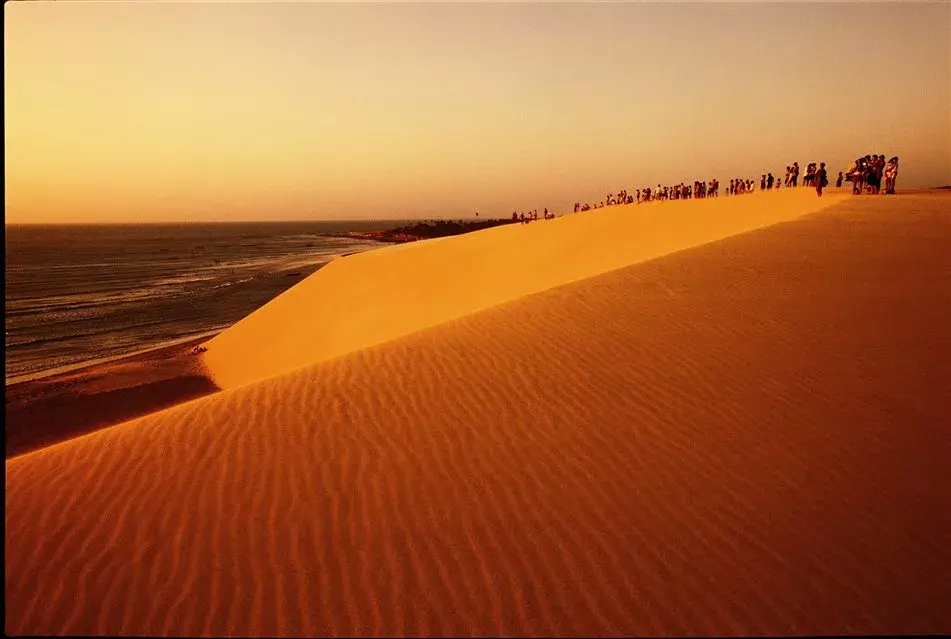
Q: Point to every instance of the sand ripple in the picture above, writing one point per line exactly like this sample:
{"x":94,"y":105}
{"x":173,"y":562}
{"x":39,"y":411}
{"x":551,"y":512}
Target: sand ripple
{"x":745,"y":438}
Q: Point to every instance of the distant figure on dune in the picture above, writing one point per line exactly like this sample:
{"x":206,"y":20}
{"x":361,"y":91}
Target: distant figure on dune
{"x":769,"y":181}
{"x":838,"y":181}
{"x":871,"y":166}
{"x":821,"y":178}
{"x":877,"y":171}
{"x":794,"y":174}
{"x":891,"y":174}
{"x":867,"y":177}
{"x":514,"y":216}
{"x":858,"y":176}
{"x":809,"y":178}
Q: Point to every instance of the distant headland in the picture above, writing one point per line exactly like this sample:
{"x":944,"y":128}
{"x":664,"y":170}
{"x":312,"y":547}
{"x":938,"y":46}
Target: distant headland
{"x":425,"y":230}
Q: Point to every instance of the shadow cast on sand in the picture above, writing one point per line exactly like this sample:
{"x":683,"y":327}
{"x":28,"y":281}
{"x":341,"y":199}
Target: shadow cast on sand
{"x":33,"y":423}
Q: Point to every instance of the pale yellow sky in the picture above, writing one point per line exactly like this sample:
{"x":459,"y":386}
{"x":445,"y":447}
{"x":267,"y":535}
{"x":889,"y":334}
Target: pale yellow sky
{"x":152,"y":111}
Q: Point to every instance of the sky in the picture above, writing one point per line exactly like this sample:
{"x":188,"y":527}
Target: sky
{"x":241,"y":111}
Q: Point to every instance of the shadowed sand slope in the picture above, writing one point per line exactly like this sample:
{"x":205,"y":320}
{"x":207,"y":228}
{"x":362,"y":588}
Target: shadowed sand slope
{"x":378,"y":295}
{"x":749,"y":437}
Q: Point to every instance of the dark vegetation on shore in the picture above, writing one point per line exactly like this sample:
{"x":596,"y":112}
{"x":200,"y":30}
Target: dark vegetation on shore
{"x":426,"y":230}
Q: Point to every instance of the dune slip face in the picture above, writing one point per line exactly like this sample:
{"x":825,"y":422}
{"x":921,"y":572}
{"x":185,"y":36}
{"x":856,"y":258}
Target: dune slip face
{"x":379,"y":295}
{"x":750,"y":437}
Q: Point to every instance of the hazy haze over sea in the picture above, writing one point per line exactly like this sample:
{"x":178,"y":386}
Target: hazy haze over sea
{"x":75,"y":293}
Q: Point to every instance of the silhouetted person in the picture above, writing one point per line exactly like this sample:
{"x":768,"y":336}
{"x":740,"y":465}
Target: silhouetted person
{"x":859,"y":176}
{"x":810,"y":176}
{"x":821,"y":179}
{"x":877,"y":169}
{"x":838,"y":181}
{"x":891,"y":174}
{"x":769,"y":181}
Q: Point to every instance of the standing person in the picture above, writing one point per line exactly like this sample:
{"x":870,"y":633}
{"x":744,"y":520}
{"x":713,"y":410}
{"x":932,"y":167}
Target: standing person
{"x":762,"y":182}
{"x":858,"y":179}
{"x":770,"y":180}
{"x":794,"y":176}
{"x":807,"y":179}
{"x":871,"y":163}
{"x":821,"y":178}
{"x":879,"y":171}
{"x":838,"y":181}
{"x":891,"y":174}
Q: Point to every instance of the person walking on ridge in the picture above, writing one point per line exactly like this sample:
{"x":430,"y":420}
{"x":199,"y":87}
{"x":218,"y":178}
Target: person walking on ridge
{"x":821,"y":178}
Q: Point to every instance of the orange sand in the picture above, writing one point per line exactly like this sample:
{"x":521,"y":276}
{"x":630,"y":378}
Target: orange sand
{"x":379,"y":295}
{"x":749,"y":437}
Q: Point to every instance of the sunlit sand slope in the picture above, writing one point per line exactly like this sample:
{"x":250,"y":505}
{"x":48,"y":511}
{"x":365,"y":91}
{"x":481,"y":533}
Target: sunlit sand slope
{"x":750,"y":437}
{"x":368,"y":298}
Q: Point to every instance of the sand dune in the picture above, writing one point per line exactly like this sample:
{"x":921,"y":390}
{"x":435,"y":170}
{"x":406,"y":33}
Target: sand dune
{"x":749,"y":437}
{"x":378,"y":295}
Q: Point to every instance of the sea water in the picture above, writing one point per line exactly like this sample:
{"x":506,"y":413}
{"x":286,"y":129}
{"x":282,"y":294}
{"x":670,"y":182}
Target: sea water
{"x":78,"y":293}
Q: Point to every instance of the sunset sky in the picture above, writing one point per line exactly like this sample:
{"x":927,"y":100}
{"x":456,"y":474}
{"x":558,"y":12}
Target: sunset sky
{"x":151,"y":111}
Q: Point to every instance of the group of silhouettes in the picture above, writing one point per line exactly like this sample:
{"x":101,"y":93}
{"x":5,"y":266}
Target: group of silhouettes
{"x":522,"y":218}
{"x":866,"y":174}
{"x":682,"y":191}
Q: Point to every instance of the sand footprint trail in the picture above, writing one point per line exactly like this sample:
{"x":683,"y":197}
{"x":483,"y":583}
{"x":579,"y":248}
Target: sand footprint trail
{"x":749,"y":437}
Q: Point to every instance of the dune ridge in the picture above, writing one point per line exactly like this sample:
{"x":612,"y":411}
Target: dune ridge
{"x":379,"y":295}
{"x":749,"y":437}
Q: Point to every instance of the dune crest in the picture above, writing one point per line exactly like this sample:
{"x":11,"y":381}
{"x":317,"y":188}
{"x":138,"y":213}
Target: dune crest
{"x":379,"y":295}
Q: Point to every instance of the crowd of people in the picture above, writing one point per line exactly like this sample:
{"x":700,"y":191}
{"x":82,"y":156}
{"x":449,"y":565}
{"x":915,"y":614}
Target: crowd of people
{"x":683,"y":191}
{"x":866,"y":174}
{"x":523,"y":218}
{"x":697,"y":191}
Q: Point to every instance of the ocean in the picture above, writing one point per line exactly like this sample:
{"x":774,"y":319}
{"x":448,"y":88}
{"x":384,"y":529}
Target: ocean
{"x":75,"y":293}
